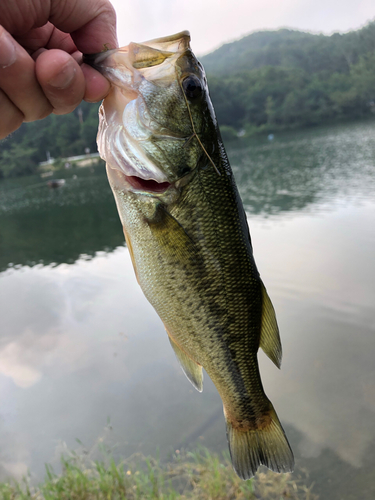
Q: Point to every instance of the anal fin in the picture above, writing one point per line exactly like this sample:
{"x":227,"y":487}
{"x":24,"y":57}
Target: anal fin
{"x":269,"y":337}
{"x":192,"y":370}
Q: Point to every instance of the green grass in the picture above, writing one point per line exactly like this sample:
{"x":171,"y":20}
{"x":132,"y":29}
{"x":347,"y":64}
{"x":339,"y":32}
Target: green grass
{"x":199,"y":475}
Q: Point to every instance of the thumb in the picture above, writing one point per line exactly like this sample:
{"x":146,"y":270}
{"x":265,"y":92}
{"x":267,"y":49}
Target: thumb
{"x":92,"y":24}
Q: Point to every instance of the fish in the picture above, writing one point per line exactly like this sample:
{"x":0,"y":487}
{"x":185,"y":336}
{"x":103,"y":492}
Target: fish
{"x":188,"y":236}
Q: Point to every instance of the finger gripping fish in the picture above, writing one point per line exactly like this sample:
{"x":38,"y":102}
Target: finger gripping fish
{"x":188,"y":237}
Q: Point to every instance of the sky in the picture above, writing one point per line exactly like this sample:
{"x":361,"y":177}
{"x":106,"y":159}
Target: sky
{"x":214,"y":22}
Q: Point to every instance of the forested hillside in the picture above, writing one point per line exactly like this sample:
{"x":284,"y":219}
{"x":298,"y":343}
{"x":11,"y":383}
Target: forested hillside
{"x":60,"y":136}
{"x":292,"y":49}
{"x":285,"y":78}
{"x":266,"y":81}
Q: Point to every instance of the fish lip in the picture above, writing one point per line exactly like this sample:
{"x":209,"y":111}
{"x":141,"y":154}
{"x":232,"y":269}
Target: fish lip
{"x":144,"y":177}
{"x":91,"y":60}
{"x":168,"y":39}
{"x":132,"y":93}
{"x":123,"y":140}
{"x":177,"y":42}
{"x":94,"y":60}
{"x":118,"y":159}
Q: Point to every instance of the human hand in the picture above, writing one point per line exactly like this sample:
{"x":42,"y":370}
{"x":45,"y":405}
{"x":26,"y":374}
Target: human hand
{"x":41,"y":43}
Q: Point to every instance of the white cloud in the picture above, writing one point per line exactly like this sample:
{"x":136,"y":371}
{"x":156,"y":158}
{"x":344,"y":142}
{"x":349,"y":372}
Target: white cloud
{"x":213,"y":22}
{"x":42,"y":332}
{"x":14,"y":365}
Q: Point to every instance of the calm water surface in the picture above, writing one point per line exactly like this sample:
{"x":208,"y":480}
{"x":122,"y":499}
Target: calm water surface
{"x":80,"y":344}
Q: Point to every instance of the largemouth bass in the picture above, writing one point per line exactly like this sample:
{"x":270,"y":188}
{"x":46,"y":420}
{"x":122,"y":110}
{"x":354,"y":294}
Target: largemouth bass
{"x":187,"y":234}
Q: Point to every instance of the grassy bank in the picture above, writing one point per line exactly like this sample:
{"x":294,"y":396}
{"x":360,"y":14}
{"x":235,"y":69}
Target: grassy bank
{"x":197,"y":475}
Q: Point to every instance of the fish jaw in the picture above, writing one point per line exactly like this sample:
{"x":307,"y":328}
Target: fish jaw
{"x":148,"y":128}
{"x":123,"y":129}
{"x":119,"y":65}
{"x":119,"y":147}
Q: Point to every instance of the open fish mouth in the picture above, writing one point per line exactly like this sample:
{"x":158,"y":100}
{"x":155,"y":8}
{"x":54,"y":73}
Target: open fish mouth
{"x":129,"y":135}
{"x":124,"y":131}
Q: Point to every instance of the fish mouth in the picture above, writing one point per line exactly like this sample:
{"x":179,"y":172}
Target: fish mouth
{"x":126,"y":126}
{"x":164,"y":46}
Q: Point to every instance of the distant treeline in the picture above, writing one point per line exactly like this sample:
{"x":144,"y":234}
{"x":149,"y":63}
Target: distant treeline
{"x":56,"y":136}
{"x":266,"y":81}
{"x":285,"y":78}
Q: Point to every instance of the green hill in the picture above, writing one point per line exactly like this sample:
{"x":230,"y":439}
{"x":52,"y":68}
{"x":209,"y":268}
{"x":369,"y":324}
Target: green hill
{"x":286,"y":78}
{"x":292,"y":49}
{"x":266,"y":81}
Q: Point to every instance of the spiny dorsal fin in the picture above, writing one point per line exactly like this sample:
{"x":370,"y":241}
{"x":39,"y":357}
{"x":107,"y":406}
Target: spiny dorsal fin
{"x":269,"y":336}
{"x":192,"y":370}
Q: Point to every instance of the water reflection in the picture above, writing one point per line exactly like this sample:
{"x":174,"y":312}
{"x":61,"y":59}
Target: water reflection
{"x":294,"y":172}
{"x":298,"y":170}
{"x":85,"y":347}
{"x":80,"y":343}
{"x":323,"y":284}
{"x":38,"y":224}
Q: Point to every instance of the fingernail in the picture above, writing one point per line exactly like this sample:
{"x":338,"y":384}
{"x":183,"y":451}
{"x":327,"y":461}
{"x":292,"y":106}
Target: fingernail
{"x":65,"y":77}
{"x":7,"y":50}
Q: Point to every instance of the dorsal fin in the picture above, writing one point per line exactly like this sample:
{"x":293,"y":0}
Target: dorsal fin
{"x":269,"y":337}
{"x":192,"y":370}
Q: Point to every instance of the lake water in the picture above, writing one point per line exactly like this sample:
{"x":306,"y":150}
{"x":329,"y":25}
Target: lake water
{"x":79,"y":344}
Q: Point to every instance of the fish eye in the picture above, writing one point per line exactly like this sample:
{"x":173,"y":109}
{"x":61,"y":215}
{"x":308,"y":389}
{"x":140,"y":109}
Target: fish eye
{"x":192,"y":86}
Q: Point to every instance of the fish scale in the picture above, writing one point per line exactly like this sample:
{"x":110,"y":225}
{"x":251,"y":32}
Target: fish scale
{"x":189,"y":240}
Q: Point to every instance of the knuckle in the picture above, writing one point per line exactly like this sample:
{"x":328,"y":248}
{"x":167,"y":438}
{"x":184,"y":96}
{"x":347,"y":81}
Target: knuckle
{"x":65,"y":102}
{"x":13,"y":122}
{"x":44,"y":113}
{"x":64,"y":110}
{"x":38,"y":112}
{"x":11,"y":117}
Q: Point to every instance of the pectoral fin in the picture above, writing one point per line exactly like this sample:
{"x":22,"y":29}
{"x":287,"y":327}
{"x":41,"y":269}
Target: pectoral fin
{"x":192,"y":370}
{"x":172,"y":237}
{"x":269,"y":337}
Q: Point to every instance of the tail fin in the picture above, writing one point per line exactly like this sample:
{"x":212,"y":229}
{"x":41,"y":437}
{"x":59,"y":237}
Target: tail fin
{"x":268,"y":446}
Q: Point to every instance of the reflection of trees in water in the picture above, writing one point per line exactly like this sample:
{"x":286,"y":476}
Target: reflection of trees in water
{"x":301,"y":169}
{"x":55,"y":226}
{"x":295,"y":171}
